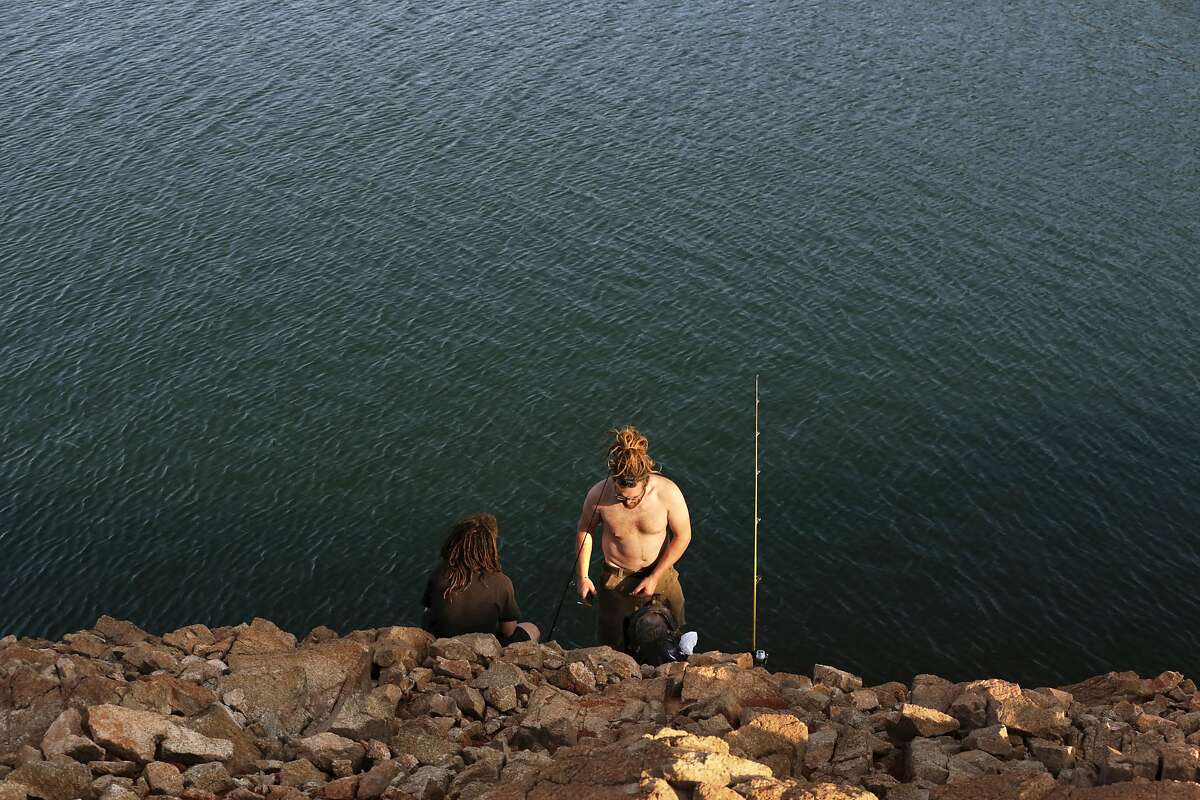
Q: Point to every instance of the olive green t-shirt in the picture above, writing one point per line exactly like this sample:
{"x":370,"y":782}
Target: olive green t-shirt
{"x":479,"y":607}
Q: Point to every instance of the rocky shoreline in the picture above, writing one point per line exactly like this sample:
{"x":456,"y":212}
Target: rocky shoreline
{"x":249,"y":712}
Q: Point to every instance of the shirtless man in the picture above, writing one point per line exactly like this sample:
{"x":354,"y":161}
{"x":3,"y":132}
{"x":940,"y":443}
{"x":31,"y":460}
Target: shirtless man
{"x":636,"y":508}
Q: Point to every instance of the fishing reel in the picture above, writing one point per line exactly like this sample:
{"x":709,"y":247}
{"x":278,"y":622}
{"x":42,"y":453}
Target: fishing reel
{"x":760,"y":657}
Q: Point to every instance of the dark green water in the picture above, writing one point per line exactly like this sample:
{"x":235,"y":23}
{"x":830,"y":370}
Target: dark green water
{"x":286,"y":287}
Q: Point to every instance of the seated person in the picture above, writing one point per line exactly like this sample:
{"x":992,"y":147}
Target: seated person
{"x":467,"y":592}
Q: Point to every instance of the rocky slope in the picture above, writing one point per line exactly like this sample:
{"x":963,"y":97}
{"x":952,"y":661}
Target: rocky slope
{"x":247,"y":712}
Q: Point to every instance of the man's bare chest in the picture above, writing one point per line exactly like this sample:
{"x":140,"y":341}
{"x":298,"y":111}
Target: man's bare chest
{"x":622,"y":522}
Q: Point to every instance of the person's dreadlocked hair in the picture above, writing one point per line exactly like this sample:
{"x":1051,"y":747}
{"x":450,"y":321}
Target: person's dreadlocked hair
{"x":470,"y":550}
{"x":627,"y":455}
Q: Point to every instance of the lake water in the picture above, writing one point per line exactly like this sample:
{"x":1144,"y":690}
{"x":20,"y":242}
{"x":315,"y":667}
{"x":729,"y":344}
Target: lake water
{"x":287,"y":286}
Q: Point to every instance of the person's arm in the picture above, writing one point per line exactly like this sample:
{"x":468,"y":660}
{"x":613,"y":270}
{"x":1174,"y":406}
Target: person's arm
{"x":680,"y":525}
{"x":583,"y":543}
{"x":510,"y":612}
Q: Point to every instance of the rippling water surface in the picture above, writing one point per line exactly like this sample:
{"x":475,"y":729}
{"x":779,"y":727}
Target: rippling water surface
{"x":285,"y":287}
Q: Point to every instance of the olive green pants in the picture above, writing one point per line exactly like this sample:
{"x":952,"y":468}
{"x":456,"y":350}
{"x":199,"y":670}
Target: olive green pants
{"x":616,"y":602}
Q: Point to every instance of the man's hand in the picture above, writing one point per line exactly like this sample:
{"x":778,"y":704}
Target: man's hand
{"x":586,"y":587}
{"x":647,"y":586}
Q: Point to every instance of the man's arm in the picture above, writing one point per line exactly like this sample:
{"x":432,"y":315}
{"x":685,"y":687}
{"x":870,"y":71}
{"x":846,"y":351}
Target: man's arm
{"x":680,"y":524}
{"x":583,"y":543}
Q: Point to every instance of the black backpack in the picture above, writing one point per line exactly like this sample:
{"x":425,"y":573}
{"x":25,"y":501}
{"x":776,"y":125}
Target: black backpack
{"x":651,"y":635}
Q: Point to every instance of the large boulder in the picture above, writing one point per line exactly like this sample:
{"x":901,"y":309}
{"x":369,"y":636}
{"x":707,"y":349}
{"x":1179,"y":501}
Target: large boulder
{"x":779,"y":740}
{"x":139,"y":736}
{"x":119,"y":631}
{"x":612,"y":662}
{"x":261,"y":637}
{"x":912,"y":721}
{"x":54,"y":780}
{"x":552,"y":717}
{"x":30,"y":695}
{"x":286,"y":692}
{"x":218,"y":723}
{"x":837,"y":678}
{"x":398,"y":646}
{"x":166,"y":694}
{"x":323,"y":749}
{"x":367,"y":715}
{"x":752,"y":687}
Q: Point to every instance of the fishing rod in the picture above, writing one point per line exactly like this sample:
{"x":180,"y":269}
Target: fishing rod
{"x":571,"y":572}
{"x":760,"y":656}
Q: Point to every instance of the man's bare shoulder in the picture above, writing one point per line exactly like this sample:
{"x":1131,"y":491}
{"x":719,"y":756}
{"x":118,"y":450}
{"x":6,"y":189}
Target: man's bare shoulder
{"x":597,"y":489}
{"x":667,"y":487}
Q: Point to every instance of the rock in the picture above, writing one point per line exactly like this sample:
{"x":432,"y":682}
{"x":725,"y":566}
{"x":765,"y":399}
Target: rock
{"x":693,"y":768}
{"x":890,"y":694}
{"x":925,"y":760}
{"x":864,"y":699}
{"x":323,"y":749}
{"x":87,"y":644}
{"x":425,"y":748}
{"x":68,"y":723}
{"x":81,"y":748}
{"x":933,"y":692}
{"x":218,"y":723}
{"x":753,"y":687}
{"x":120,"y":769}
{"x":574,"y":677}
{"x":606,"y":659}
{"x":970,"y":709}
{"x":553,"y":717}
{"x":709,"y":791}
{"x":503,"y":699}
{"x":119,"y":631}
{"x":500,"y":675}
{"x":831,"y":791}
{"x":992,"y":739}
{"x":147,"y":657}
{"x":1107,"y":688}
{"x":341,"y":789}
{"x":1055,"y":756}
{"x":1180,"y":762}
{"x":367,"y":715}
{"x":285,"y":692}
{"x":163,"y":778}
{"x":1011,"y":786}
{"x":1026,"y":718}
{"x":188,"y":637}
{"x":376,"y":781}
{"x":13,"y":791}
{"x":970,"y":764}
{"x":53,"y":780}
{"x":485,"y":646}
{"x":209,"y":778}
{"x":427,"y":783}
{"x":820,"y":747}
{"x":914,"y":721}
{"x":300,"y":772}
{"x":470,"y":701}
{"x":772,"y":734}
{"x":397,"y":646}
{"x":166,"y":694}
{"x":1138,"y":762}
{"x":188,"y":747}
{"x":28,"y":754}
{"x":261,"y":637}
{"x":1150,"y":722}
{"x":126,"y":732}
{"x":837,"y":678}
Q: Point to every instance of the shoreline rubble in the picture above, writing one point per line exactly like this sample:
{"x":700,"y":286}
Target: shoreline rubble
{"x":251,"y":713}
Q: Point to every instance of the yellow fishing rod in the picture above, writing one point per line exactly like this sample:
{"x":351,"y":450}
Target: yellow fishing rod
{"x":760,"y":656}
